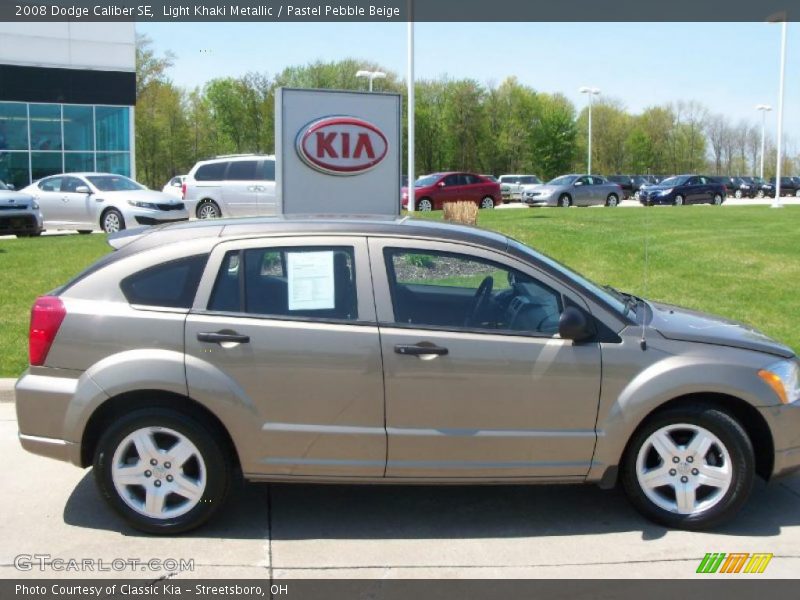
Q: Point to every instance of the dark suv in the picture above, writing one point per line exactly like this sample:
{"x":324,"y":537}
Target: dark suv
{"x":789,"y":187}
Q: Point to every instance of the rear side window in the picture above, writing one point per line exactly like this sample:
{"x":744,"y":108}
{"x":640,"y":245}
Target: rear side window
{"x":172,"y":284}
{"x":310,"y":282}
{"x":242,"y":170}
{"x":211,"y":172}
{"x":268,"y":170}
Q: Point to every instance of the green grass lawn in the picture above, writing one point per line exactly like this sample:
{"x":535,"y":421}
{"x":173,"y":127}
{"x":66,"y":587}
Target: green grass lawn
{"x":740,"y":262}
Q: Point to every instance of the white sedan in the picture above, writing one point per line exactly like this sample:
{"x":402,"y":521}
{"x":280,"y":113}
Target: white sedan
{"x":174,"y":187}
{"x":91,"y":201}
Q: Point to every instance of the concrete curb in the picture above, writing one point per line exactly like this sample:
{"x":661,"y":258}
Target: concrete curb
{"x":7,"y":389}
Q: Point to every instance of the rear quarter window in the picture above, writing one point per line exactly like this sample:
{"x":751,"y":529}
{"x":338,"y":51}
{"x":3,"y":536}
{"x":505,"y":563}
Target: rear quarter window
{"x":172,"y":284}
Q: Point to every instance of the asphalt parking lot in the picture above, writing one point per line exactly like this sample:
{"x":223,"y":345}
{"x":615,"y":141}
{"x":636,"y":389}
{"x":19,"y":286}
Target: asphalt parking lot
{"x":336,"y":531}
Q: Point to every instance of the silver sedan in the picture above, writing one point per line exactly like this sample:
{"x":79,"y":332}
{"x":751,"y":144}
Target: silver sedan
{"x":574,"y":190}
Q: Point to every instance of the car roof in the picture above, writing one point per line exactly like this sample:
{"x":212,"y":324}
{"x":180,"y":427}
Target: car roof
{"x":142,"y":238}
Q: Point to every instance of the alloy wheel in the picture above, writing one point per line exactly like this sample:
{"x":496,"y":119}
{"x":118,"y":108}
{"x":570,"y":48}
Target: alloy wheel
{"x":424,"y":205}
{"x":111,"y":222}
{"x":158,"y":472}
{"x":684,"y":469}
{"x":487,"y":202}
{"x":208,"y":211}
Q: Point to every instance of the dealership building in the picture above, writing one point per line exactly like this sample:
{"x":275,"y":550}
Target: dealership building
{"x":67,"y":95}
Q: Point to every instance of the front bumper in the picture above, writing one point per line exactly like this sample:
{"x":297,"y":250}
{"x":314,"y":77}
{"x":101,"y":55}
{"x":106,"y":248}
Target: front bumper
{"x":539,"y":200}
{"x":649,"y":200}
{"x":156,"y":221}
{"x":14,"y":222}
{"x":784,"y":423}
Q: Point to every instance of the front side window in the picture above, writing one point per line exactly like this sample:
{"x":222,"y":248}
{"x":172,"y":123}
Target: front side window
{"x":171,"y":285}
{"x":268,"y":170}
{"x":453,"y":291}
{"x":307,"y":282}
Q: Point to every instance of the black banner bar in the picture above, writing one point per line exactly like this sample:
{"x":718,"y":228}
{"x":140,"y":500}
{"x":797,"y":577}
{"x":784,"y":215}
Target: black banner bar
{"x":401,"y":10}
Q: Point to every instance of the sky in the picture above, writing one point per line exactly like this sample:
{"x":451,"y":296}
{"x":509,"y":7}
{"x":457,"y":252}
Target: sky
{"x":729,"y":67}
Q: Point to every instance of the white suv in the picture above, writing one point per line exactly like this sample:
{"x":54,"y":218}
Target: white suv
{"x":231,"y":186}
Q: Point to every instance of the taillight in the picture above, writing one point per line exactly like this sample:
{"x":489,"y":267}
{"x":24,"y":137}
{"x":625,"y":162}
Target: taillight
{"x":47,"y":314}
{"x":183,"y":191}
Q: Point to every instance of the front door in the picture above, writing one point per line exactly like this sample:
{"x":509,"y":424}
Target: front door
{"x":290,"y":324}
{"x":478,"y":383}
{"x":78,"y":208}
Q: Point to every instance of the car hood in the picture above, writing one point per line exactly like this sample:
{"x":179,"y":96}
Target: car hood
{"x":15,"y":199}
{"x":656,"y":187}
{"x":543,"y":188}
{"x":141,"y":196}
{"x":677,"y":323}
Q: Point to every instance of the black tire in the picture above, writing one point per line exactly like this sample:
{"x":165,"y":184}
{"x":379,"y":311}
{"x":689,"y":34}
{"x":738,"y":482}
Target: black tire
{"x":217,"y":458}
{"x":612,"y":200}
{"x":84,"y":231}
{"x":208,"y":209}
{"x":487,"y":202}
{"x":106,"y":220}
{"x":564,"y":201}
{"x":424,"y":205}
{"x":715,"y":202}
{"x":679,"y":200}
{"x":733,"y":437}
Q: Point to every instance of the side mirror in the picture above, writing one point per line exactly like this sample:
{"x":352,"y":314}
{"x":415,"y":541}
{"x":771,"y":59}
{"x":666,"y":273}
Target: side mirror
{"x":572,"y":325}
{"x":577,"y":183}
{"x":83,"y":189}
{"x":441,"y":184}
{"x":177,"y":184}
{"x":10,"y":186}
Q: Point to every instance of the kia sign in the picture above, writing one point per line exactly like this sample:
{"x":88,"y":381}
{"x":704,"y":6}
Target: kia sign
{"x":337,"y":152}
{"x":342,"y":145}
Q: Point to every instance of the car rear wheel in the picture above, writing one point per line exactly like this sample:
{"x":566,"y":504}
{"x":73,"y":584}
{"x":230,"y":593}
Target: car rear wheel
{"x":208,"y":209}
{"x":424,"y":205}
{"x":679,"y":201}
{"x":565,"y":201}
{"x":112,"y":221}
{"x":738,"y":194}
{"x":760,"y":193}
{"x":612,"y":200}
{"x":689,"y":467}
{"x":162,"y":471}
{"x":717,"y":201}
{"x":487,"y":202}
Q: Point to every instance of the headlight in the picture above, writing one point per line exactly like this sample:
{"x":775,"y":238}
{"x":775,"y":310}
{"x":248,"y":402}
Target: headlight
{"x":138,"y":204}
{"x":665,"y":192}
{"x":784,"y":379}
{"x":34,"y":205}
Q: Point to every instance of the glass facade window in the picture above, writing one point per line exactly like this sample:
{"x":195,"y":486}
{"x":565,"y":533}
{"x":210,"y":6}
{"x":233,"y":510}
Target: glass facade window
{"x":38,"y":139}
{"x":78,"y":161}
{"x":112,"y":128}
{"x":78,"y":127}
{"x":13,"y":126}
{"x":45,"y":123}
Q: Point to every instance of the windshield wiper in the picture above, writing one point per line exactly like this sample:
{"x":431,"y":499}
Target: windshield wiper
{"x":629,"y":300}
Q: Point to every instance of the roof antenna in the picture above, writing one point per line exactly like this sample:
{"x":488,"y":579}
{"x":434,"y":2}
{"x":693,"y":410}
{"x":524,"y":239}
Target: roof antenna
{"x":643,"y":340}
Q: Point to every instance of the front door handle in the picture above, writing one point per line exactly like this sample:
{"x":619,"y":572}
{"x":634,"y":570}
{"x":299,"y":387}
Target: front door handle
{"x":222,"y":337}
{"x":422,"y":349}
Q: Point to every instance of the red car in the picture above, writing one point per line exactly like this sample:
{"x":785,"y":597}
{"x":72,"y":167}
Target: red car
{"x":432,"y":191}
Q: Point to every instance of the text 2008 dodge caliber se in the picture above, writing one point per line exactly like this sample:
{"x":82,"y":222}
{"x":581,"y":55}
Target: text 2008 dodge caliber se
{"x":391,"y":351}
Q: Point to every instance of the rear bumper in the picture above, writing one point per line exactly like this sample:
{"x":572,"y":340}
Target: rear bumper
{"x":47,"y":426}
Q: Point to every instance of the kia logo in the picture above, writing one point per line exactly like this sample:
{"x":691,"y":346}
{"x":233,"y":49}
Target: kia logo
{"x":341,"y":145}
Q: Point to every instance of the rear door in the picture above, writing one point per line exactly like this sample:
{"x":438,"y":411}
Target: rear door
{"x":240,"y":190}
{"x":286,"y":327}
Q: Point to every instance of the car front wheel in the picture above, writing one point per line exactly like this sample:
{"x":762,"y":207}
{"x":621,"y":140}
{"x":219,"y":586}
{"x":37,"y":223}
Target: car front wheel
{"x":679,"y":201}
{"x":612,"y":200}
{"x":564,"y":201}
{"x":162,"y":471}
{"x":689,"y":468}
{"x":112,"y":221}
{"x":487,"y":202}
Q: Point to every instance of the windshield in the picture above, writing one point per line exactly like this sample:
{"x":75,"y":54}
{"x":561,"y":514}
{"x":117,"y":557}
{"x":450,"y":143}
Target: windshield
{"x":673,"y":181}
{"x":114,"y":183}
{"x":563,"y":180}
{"x":426,"y":180}
{"x":614,"y":300}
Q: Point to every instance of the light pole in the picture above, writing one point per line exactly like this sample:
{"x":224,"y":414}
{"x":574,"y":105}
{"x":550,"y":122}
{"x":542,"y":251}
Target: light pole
{"x":372,"y":75}
{"x":764,"y":108}
{"x":777,"y":203}
{"x":412,"y":201}
{"x":592,"y":92}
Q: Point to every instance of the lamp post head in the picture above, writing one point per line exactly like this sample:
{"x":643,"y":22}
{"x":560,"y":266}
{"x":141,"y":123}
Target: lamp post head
{"x":589,"y":90}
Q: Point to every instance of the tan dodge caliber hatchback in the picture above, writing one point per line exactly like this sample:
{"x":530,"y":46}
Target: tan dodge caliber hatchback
{"x":372,"y":350}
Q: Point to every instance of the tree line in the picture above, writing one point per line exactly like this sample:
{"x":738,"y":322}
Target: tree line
{"x":461,"y":124}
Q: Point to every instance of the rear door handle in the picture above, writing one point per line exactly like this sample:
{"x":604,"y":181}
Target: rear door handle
{"x":220,"y":337}
{"x":420,"y":350}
